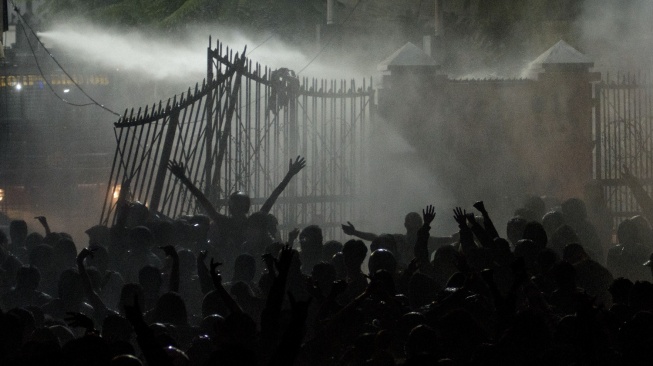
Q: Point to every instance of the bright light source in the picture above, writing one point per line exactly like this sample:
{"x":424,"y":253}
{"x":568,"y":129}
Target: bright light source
{"x":19,"y":86}
{"x":66,"y":90}
{"x":2,"y":194}
{"x":116,"y":192}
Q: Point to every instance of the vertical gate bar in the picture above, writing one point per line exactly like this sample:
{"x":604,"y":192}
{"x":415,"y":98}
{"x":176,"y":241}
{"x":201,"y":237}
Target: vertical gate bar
{"x":108,"y":197}
{"x":122,"y":166}
{"x":127,"y":161}
{"x":257,"y":132}
{"x":315,"y":158}
{"x":209,"y":125}
{"x":333,"y":122}
{"x":165,"y":157}
{"x":618,"y":137}
{"x":149,"y":145}
{"x":228,"y":121}
{"x":647,"y":119}
{"x":159,"y":142}
{"x":198,"y":151}
{"x":597,"y":131}
{"x":172,"y":184}
{"x":343,"y":147}
{"x":140,"y":151}
{"x":352,"y":151}
{"x":323,"y":172}
{"x":246,"y":146}
{"x":304,"y":144}
{"x":266,"y":147}
{"x":237,"y":148}
{"x":644,"y":123}
{"x":631,"y":136}
{"x":177,"y":188}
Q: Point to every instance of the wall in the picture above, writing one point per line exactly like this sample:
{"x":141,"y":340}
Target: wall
{"x":496,"y":140}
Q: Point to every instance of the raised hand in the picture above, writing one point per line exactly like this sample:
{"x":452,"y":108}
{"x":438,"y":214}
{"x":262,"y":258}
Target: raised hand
{"x":285,"y":259}
{"x":201,"y":256}
{"x":79,"y":320}
{"x":460,"y":216}
{"x":297,"y":166}
{"x":42,"y":220}
{"x":215,"y":273}
{"x":471,"y":218}
{"x":86,"y":252}
{"x":292,"y":236}
{"x":428,"y":214}
{"x":480,"y":206}
{"x":170,"y":251}
{"x":177,"y":168}
{"x":413,"y":266}
{"x":349,"y":229}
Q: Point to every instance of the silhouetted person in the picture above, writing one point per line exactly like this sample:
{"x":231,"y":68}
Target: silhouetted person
{"x":25,"y":293}
{"x":141,"y":244}
{"x":590,"y":275}
{"x":310,"y":243}
{"x":354,"y":253}
{"x":625,"y":259}
{"x":575,"y":214}
{"x":17,"y":233}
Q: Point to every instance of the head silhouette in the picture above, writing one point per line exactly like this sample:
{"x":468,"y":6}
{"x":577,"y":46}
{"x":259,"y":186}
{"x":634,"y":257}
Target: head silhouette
{"x":239,"y":204}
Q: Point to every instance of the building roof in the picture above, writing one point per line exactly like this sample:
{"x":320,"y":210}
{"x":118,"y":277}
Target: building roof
{"x":562,"y":54}
{"x":407,"y":56}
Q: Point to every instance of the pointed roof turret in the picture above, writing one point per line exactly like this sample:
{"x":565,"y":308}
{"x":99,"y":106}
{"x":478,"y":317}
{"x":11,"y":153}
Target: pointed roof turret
{"x":562,"y":54}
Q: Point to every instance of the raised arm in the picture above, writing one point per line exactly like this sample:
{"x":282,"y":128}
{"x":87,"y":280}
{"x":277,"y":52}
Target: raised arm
{"x":349,"y":229}
{"x":152,"y":350}
{"x":293,"y":169}
{"x":171,"y":252}
{"x":421,"y":250}
{"x":44,"y":223}
{"x":93,"y":298}
{"x":271,"y":315}
{"x":466,"y":235}
{"x":224,"y":294}
{"x":203,"y":273}
{"x":487,"y":222}
{"x":179,"y":170}
{"x":479,"y":231}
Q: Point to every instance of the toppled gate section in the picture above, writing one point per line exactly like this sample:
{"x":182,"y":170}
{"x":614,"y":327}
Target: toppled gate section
{"x":238,"y":131}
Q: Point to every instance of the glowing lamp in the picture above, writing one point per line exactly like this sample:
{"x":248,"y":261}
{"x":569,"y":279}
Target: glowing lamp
{"x":116,"y":192}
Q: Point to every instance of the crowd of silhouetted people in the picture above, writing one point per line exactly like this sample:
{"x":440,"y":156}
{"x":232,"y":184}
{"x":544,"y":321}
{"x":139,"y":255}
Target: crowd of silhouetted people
{"x":217,"y":289}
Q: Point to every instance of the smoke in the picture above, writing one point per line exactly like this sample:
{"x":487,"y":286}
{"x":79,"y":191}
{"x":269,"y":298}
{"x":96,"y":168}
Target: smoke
{"x":618,"y":35}
{"x":182,"y":58}
{"x":151,"y":67}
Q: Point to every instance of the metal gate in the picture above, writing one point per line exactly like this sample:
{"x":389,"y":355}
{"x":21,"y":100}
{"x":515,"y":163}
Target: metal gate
{"x":237,"y":131}
{"x":623,"y":129}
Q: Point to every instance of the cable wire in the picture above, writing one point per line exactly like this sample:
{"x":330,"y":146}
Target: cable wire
{"x":93,"y":101}
{"x":328,"y":43}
